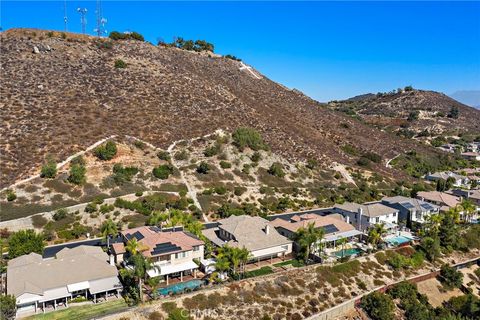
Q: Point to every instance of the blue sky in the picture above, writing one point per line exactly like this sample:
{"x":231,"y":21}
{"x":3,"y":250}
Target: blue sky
{"x":329,"y":50}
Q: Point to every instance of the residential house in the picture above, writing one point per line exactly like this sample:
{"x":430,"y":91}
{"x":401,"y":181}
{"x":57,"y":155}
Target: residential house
{"x":458,"y":180}
{"x":333,"y":225}
{"x":444,"y":200}
{"x":255,"y":234}
{"x":45,"y":283}
{"x":471,"y":155}
{"x":472,"y":195}
{"x":364,"y":216}
{"x":411,"y":210}
{"x":172,"y":252}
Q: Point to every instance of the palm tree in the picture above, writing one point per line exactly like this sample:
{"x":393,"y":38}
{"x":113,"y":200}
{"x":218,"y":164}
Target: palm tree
{"x":141,"y":265}
{"x":245,"y":256}
{"x":307,"y":238}
{"x":468,"y":209}
{"x":433,"y":224}
{"x":376,"y":234}
{"x":132,"y":246}
{"x":108,"y":229}
{"x":222,"y":265}
{"x":342,"y":241}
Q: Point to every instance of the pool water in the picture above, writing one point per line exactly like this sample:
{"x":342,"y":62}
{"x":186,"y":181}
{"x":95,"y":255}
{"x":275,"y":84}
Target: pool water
{"x":180,"y":287}
{"x":398,"y":240}
{"x":348,"y":252}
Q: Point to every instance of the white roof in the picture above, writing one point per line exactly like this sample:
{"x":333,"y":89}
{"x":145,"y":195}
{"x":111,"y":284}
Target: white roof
{"x":78,"y":286}
{"x":103,"y":285}
{"x":55,"y":294}
{"x":172,"y":268}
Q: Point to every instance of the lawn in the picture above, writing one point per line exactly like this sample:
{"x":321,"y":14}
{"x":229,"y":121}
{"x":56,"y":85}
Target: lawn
{"x":294,"y":262}
{"x":259,"y":272}
{"x":84,"y":312}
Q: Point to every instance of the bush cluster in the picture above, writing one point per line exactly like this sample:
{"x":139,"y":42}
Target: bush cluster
{"x":115,"y":35}
{"x":162,"y":171}
{"x":106,"y":151}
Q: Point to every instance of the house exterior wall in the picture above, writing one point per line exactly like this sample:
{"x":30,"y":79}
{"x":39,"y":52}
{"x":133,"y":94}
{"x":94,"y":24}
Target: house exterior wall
{"x":367,"y":222}
{"x":181,"y":258}
{"x":277,"y":251}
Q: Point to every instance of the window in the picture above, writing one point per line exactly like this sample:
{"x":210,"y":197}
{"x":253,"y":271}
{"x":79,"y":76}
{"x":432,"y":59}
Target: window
{"x":180,"y":255}
{"x":196,"y":248}
{"x":394,"y":214}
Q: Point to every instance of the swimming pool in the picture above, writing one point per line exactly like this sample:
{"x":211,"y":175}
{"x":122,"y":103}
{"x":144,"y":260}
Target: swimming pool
{"x":348,"y":252}
{"x":398,"y":240}
{"x":180,"y":287}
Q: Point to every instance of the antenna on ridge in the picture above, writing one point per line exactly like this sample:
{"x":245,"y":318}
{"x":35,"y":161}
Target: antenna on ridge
{"x":65,"y":19}
{"x":101,"y":21}
{"x":83,"y":20}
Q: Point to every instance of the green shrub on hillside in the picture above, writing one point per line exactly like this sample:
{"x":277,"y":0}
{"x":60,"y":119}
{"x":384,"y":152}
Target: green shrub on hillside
{"x":115,"y":35}
{"x":49,"y":169}
{"x":276,"y":169}
{"x":248,"y":137}
{"x":77,"y":174}
{"x":163,"y":171}
{"x":120,"y":64}
{"x":106,"y":151}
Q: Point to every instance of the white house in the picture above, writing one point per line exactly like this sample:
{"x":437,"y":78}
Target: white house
{"x":364,"y":216}
{"x":411,"y":210}
{"x":253,"y":233}
{"x":458,"y":179}
{"x":172,"y":252}
{"x":81,"y":271}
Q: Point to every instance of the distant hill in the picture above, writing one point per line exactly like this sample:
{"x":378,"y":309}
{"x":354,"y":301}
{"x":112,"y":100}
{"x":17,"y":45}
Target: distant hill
{"x":468,"y":97}
{"x":62,"y":92}
{"x":415,"y":111}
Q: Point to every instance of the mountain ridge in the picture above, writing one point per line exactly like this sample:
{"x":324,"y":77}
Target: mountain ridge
{"x":62,"y":92}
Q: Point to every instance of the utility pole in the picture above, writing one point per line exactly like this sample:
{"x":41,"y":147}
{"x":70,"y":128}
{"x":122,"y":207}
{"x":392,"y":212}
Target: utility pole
{"x":83,"y":19}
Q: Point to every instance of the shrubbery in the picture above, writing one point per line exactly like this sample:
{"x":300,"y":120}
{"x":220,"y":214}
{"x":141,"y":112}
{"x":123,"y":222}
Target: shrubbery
{"x":248,"y":137}
{"x":120,"y":64}
{"x":276,"y":170}
{"x":203,"y":168}
{"x":77,"y":174}
{"x":106,"y":151}
{"x":49,"y":169}
{"x":378,"y":306}
{"x":11,"y":195}
{"x":115,"y":35}
{"x":191,"y":45}
{"x":123,"y":174}
{"x":163,"y":171}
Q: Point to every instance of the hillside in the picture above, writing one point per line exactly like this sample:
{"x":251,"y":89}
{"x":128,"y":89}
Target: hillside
{"x":410,"y":112}
{"x":62,"y":92}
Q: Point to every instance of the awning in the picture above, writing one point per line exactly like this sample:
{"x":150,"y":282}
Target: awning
{"x":78,"y":286}
{"x":104,"y":285}
{"x":55,"y":294}
{"x":346,"y":234}
{"x":172,"y":268}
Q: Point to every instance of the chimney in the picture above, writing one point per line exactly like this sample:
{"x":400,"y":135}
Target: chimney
{"x":112,"y":261}
{"x":359,"y":221}
{"x":348,"y":219}
{"x":267,"y":229}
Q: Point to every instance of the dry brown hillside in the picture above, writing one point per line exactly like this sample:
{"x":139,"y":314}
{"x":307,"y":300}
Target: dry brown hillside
{"x":69,"y":95}
{"x":415,"y":110}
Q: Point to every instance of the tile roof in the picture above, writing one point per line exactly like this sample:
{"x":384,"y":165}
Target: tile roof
{"x":302,"y":221}
{"x":249,"y":232}
{"x":173,"y":241}
{"x":417,"y":204}
{"x":439,"y":197}
{"x":369,"y":209}
{"x":31,"y":274}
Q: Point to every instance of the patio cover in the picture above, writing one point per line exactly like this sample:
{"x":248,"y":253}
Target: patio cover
{"x":53,"y":294}
{"x":346,"y":234}
{"x":172,"y":268}
{"x":389,"y":225}
{"x":104,"y":285}
{"x":78,"y":286}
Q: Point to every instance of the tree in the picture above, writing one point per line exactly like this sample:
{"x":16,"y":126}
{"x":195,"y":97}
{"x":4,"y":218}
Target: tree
{"x":141,"y":265}
{"x":77,"y":174}
{"x":469,"y":209}
{"x":106,"y":151}
{"x":376,"y":234}
{"x":162,"y":171}
{"x":431,"y":247}
{"x":132,"y":246}
{"x":454,"y":112}
{"x":441,"y":185}
{"x":109,"y":229}
{"x":276,"y":170}
{"x":449,"y":183}
{"x":25,"y":242}
{"x":120,"y":64}
{"x":248,"y":137}
{"x":448,"y":230}
{"x":203,"y":168}
{"x":8,"y":306}
{"x":378,"y":306}
{"x":342,"y":242}
{"x":451,"y":277}
{"x":49,"y":169}
{"x":307,"y":238}
{"x":413,"y":115}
